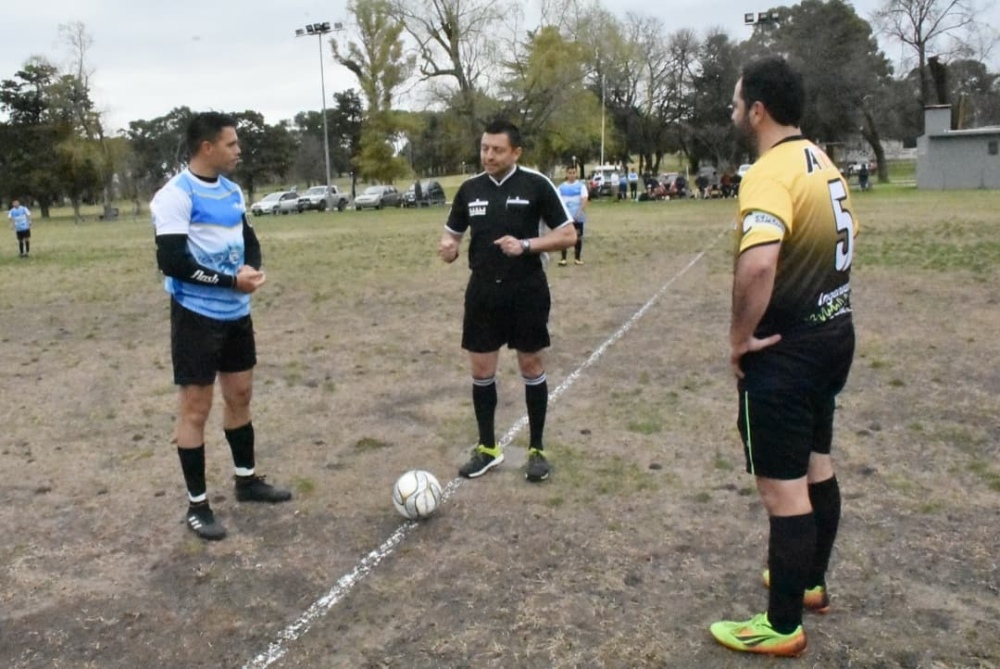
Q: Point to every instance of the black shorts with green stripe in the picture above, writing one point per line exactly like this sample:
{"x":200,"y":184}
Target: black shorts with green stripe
{"x":788,"y":395}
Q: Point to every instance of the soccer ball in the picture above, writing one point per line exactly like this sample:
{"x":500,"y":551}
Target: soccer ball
{"x":416,"y":494}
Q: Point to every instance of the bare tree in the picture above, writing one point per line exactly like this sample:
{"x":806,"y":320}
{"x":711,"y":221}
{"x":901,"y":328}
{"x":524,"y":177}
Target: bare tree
{"x":457,"y":43}
{"x":922,"y":25}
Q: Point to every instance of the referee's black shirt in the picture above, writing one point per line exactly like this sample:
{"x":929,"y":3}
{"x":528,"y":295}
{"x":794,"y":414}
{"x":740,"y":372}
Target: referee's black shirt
{"x":514,"y":206}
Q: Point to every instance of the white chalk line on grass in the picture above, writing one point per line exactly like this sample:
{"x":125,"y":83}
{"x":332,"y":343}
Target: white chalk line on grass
{"x":279,"y":647}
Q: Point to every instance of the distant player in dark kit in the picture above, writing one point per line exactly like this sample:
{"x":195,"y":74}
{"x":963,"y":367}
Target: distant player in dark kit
{"x":507,"y":300}
{"x":211,"y":257}
{"x":791,"y":340}
{"x":20,"y":220}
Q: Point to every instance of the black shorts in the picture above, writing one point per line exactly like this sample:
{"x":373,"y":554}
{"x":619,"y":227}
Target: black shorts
{"x":201,"y":346}
{"x":512,"y":312}
{"x":787,"y":399}
{"x":23,"y":234}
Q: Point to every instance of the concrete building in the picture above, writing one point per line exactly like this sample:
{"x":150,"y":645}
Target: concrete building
{"x":956,"y":159}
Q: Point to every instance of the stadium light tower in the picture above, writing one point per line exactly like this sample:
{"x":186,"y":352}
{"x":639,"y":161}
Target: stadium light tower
{"x":761,"y":18}
{"x":320,"y":29}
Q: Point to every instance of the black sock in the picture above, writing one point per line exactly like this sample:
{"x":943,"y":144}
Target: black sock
{"x":564,"y":254}
{"x":825,"y":499}
{"x":27,"y":247}
{"x":20,"y":246}
{"x":790,"y":555}
{"x":484,"y":401}
{"x":536,"y":396}
{"x":241,"y":442}
{"x":193,"y":467}
{"x":578,"y":248}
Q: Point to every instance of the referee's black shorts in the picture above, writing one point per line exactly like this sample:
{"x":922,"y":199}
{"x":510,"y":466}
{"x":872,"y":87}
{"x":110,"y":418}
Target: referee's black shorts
{"x":23,"y":234}
{"x":787,"y":399}
{"x":513,"y":312}
{"x":201,"y":346}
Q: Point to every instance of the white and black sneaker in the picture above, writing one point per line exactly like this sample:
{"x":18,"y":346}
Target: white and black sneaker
{"x":202,"y":522}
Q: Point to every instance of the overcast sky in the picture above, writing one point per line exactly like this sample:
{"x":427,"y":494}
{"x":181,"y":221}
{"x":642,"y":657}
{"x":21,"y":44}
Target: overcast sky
{"x":150,"y":57}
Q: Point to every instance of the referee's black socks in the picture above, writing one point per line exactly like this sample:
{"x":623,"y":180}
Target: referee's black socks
{"x":825,"y":499}
{"x":484,"y":401}
{"x":536,"y":396}
{"x":241,"y":443}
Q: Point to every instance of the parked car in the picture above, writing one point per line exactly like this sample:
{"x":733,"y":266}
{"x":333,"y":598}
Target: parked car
{"x":431,"y":193}
{"x":316,"y":198}
{"x":599,"y":184}
{"x":280,"y":202}
{"x":378,"y":197}
{"x":742,"y":170}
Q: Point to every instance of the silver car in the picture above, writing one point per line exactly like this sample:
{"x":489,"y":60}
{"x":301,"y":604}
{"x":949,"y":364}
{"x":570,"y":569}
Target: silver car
{"x":280,"y":202}
{"x":378,"y":197}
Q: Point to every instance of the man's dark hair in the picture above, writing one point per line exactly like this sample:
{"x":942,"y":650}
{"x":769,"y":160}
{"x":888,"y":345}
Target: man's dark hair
{"x":502,"y":127}
{"x":772,"y":82}
{"x":206,"y":127}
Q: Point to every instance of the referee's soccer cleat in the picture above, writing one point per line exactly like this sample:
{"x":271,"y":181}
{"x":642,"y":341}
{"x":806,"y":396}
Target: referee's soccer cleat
{"x":815,"y":599}
{"x":255,"y":489}
{"x":577,"y":262}
{"x":203,"y":522}
{"x":562,"y":263}
{"x":757,"y":636}
{"x":538,"y":467}
{"x":484,"y":458}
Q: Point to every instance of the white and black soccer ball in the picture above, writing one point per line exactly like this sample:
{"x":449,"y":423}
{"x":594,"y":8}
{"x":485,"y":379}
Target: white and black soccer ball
{"x":416,"y":494}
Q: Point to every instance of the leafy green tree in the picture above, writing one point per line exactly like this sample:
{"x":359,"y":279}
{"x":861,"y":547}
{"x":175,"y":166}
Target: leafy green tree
{"x":29,"y":140}
{"x":545,"y":95}
{"x":379,"y":64}
{"x":266,"y":151}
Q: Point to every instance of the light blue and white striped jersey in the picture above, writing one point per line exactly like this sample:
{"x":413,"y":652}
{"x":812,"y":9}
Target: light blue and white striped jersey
{"x":211,"y":215}
{"x":20,"y":215}
{"x":573,"y":196}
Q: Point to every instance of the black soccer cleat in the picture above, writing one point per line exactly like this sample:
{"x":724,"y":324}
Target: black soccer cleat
{"x":203,"y":522}
{"x":254,"y":488}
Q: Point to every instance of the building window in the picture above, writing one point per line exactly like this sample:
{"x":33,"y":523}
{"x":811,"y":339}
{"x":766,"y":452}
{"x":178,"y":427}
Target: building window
{"x":991,"y":147}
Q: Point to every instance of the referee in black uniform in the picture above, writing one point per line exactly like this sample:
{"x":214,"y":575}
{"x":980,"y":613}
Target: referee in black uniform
{"x":507,"y":300}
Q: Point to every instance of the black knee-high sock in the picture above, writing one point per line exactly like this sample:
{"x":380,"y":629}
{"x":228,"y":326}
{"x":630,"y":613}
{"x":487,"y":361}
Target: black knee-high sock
{"x":536,"y":396}
{"x":241,"y":443}
{"x":193,"y":467}
{"x":564,"y":254}
{"x":27,"y":246}
{"x":825,"y":499}
{"x":484,"y":401}
{"x":20,"y":246}
{"x":579,"y":247}
{"x":790,"y":556}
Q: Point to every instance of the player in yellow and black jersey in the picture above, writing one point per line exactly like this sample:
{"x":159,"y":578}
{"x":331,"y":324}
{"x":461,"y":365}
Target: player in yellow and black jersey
{"x":791,"y":347}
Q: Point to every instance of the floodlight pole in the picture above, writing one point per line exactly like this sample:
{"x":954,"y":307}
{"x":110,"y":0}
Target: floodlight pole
{"x":320,"y":29}
{"x":602,"y":119}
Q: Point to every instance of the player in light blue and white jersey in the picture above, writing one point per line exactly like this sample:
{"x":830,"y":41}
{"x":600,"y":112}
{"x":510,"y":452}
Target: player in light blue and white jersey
{"x":210,"y":255}
{"x":575,"y":196}
{"x":20,"y":220}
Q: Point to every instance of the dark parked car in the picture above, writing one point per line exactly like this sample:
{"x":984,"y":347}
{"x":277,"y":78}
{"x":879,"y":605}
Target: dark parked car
{"x":431,"y":193}
{"x":378,"y":197}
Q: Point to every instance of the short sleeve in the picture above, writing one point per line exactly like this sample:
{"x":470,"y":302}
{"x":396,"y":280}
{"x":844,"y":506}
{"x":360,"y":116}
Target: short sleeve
{"x":458,"y":217}
{"x":171,"y":210}
{"x":553,"y":210}
{"x":769,"y":201}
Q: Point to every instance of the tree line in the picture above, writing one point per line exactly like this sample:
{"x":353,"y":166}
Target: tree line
{"x":583,"y":84}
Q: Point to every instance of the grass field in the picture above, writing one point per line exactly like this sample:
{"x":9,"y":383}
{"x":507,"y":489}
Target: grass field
{"x":648,"y":531}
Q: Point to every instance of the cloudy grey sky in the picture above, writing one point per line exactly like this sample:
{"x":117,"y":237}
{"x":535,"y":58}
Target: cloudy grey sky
{"x":149,"y":57}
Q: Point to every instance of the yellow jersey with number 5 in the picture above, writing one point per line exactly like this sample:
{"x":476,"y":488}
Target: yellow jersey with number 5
{"x":795,"y":196}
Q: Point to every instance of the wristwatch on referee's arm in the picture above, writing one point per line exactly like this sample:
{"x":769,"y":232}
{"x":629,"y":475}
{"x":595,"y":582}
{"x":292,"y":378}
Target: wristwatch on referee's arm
{"x":526,"y":245}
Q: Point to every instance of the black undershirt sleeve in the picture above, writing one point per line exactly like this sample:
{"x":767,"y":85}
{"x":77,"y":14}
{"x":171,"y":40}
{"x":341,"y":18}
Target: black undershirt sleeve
{"x":175,"y":261}
{"x":251,"y":246}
